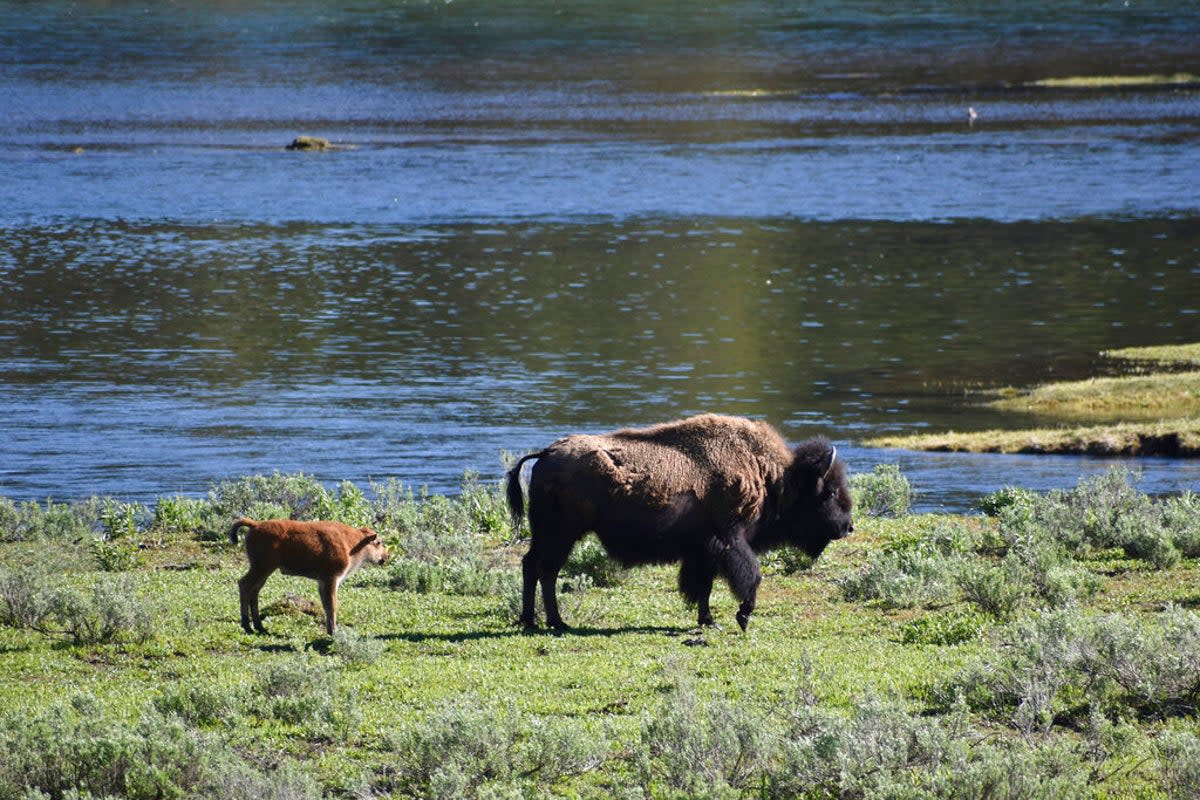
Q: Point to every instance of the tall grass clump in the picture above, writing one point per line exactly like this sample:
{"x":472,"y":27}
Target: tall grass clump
{"x":883,"y":492}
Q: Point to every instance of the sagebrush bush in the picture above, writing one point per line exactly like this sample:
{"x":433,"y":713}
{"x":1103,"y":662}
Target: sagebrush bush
{"x":1060,"y":666}
{"x":913,"y":576}
{"x":27,"y":596}
{"x":473,"y":749}
{"x":112,"y":610}
{"x":279,"y":495}
{"x":701,"y":747}
{"x":75,"y":748}
{"x":883,"y":492}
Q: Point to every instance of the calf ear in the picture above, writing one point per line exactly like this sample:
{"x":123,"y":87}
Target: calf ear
{"x":366,"y":540}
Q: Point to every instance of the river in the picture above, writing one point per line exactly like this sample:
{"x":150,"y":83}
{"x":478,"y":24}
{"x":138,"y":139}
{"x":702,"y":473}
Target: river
{"x":540,"y":218}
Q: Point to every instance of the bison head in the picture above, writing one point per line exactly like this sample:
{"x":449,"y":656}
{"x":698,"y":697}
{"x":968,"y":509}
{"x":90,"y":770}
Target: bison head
{"x":815,"y":506}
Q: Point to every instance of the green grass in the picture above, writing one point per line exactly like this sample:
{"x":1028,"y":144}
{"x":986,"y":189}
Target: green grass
{"x":1164,"y":355}
{"x":634,"y":698}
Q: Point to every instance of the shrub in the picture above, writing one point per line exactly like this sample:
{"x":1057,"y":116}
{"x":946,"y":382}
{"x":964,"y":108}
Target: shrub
{"x":1179,"y":762}
{"x":200,"y":704}
{"x":74,"y":748}
{"x":180,"y":514}
{"x":589,"y":560}
{"x":955,"y":626}
{"x":111,"y":611}
{"x":353,"y":648}
{"x":701,"y":748}
{"x":27,"y":597}
{"x":297,"y":496}
{"x":301,"y":692}
{"x":119,"y":555}
{"x":882,"y":492}
{"x":469,"y":749}
{"x":914,"y":576}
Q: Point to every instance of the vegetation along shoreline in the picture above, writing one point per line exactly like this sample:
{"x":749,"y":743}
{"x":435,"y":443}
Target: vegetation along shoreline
{"x":1153,"y":411}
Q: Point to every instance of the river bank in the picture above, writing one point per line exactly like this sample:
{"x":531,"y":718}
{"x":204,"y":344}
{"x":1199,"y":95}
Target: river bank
{"x":1153,"y":413}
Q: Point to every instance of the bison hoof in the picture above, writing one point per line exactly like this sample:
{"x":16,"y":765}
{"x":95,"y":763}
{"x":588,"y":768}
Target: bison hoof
{"x":743,"y":620}
{"x":560,"y":626}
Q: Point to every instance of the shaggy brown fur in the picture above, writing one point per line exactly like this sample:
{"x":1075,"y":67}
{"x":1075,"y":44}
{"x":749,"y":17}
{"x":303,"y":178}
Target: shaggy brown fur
{"x":326,"y":552}
{"x":708,"y":492}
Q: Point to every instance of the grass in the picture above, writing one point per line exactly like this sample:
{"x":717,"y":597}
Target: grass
{"x":1170,"y":438}
{"x":844,"y":685}
{"x":1154,"y":414}
{"x":1164,"y":355}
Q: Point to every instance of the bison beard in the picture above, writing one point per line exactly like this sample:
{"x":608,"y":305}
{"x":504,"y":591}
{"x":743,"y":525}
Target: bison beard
{"x":709,"y":493}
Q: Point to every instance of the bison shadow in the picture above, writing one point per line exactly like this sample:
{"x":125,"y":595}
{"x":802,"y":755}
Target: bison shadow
{"x":472,"y":636}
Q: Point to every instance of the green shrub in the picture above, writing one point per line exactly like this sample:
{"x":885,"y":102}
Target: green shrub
{"x":955,"y":626}
{"x":1007,"y":497}
{"x":200,"y":704}
{"x":589,"y":560}
{"x":302,"y":692}
{"x":883,"y":492}
{"x":119,"y":555}
{"x":75,"y":748}
{"x":181,"y":514}
{"x":1179,"y":762}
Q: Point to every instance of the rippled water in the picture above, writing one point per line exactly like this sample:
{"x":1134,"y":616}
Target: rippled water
{"x":545,"y":219}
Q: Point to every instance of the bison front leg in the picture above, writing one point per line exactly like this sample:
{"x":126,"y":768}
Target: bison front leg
{"x":741,"y":569}
{"x":696,"y":576}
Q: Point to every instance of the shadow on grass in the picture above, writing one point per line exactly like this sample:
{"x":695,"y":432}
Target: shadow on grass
{"x":515,"y":631}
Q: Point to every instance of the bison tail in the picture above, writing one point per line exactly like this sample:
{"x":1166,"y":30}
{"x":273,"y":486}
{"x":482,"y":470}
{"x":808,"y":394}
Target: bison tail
{"x":516,"y":499}
{"x":243,"y":522}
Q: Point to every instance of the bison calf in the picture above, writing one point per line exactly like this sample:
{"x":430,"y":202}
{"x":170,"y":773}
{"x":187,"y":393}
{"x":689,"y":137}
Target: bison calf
{"x":709,"y":493}
{"x":327,"y":552}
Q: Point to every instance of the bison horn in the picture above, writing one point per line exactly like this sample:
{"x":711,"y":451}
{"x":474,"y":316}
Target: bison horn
{"x":832,"y":461}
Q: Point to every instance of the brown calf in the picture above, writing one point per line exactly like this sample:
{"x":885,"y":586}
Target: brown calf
{"x":325,"y":551}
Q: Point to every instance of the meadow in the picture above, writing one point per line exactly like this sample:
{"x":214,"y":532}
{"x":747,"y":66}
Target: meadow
{"x":1044,"y":647}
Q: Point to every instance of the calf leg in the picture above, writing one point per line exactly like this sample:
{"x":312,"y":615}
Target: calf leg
{"x":248,"y":588}
{"x":328,"y":587}
{"x":740,"y":567}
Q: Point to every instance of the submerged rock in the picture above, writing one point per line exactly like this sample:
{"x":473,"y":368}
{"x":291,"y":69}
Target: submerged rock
{"x":310,"y":143}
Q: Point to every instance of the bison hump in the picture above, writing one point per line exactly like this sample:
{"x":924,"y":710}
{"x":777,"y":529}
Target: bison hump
{"x":726,"y":463}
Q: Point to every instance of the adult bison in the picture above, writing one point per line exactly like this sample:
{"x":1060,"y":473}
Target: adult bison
{"x":708,"y":492}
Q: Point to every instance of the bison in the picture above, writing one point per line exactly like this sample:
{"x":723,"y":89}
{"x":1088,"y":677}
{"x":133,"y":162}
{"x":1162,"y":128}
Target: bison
{"x":709,"y":492}
{"x":326,"y":552}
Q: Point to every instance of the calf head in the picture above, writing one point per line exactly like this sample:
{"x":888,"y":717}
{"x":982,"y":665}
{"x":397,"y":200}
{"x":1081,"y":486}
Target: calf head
{"x":370,"y":548}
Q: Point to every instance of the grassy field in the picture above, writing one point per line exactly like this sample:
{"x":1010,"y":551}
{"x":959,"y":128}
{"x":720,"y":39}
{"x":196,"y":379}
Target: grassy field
{"x":1155,"y":413}
{"x":1044,"y":649}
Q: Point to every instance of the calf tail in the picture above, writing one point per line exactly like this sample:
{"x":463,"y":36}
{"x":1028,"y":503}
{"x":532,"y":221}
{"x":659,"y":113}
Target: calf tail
{"x":516,"y":500}
{"x":243,"y":522}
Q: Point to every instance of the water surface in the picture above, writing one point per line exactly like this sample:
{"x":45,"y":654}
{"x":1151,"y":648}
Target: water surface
{"x":550,"y":219}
